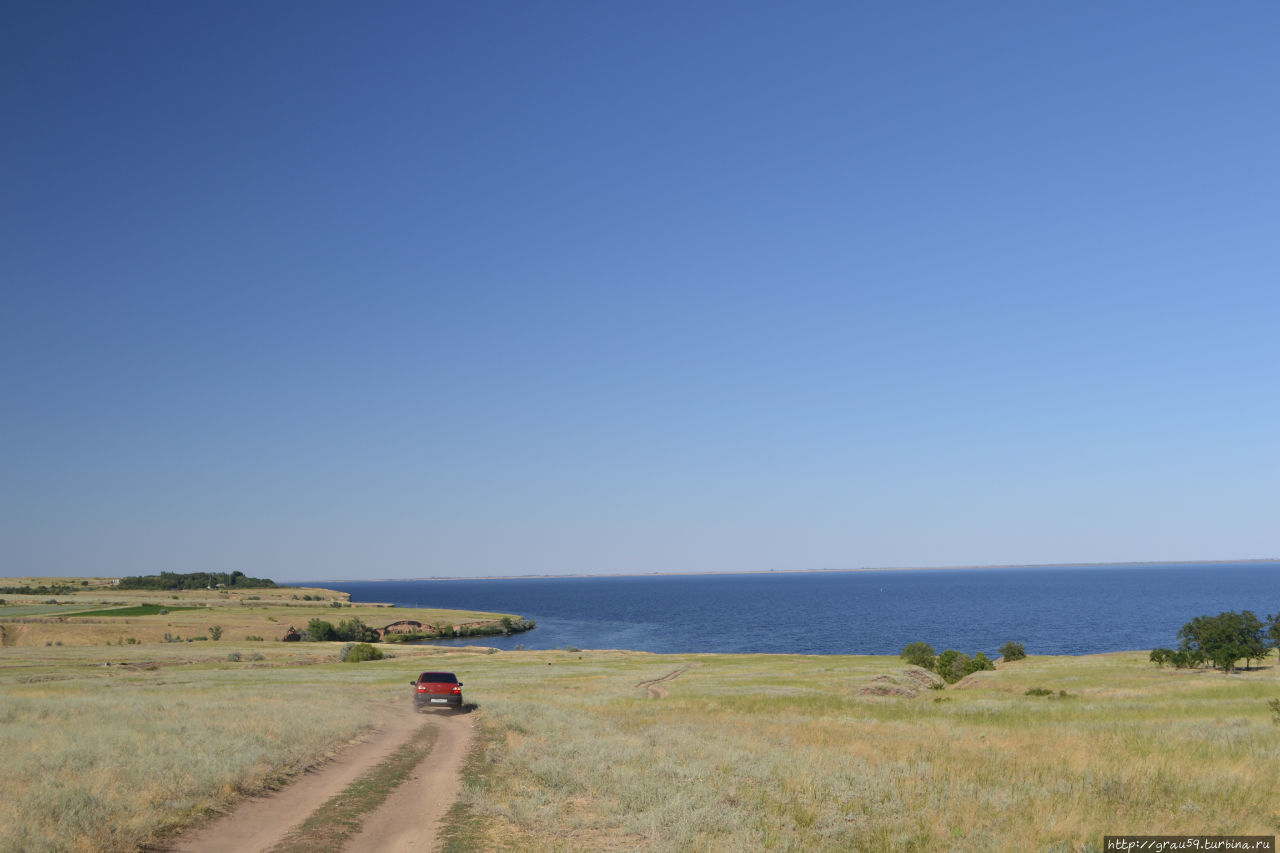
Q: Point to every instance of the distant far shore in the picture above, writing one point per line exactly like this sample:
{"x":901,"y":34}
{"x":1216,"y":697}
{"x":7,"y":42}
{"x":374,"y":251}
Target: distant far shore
{"x":1153,"y":563}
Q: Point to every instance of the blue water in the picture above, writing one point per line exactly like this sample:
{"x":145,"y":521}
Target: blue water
{"x":1074,"y":610}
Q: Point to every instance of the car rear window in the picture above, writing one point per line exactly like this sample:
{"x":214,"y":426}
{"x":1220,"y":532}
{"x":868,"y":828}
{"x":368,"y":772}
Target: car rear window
{"x":448,"y":677}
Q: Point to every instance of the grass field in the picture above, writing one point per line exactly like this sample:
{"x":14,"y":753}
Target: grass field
{"x":790,"y":753}
{"x":109,"y":748}
{"x":101,"y":615}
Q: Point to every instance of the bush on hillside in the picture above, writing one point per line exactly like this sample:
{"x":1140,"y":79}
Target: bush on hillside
{"x":978,"y":663}
{"x":919,"y":653}
{"x":357,"y":652}
{"x":1013,"y":651}
{"x":950,"y":665}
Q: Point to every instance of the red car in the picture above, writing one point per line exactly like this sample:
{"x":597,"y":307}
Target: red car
{"x":437,"y":690}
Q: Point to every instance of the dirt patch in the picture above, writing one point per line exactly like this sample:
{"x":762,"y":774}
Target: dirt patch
{"x":909,"y":683}
{"x":654,"y":688}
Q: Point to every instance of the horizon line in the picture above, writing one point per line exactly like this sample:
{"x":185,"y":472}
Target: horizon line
{"x":537,"y":576}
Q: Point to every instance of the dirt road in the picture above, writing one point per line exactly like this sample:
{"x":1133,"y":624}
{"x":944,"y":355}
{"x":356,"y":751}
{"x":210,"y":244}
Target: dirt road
{"x":654,"y":688}
{"x":405,"y":822}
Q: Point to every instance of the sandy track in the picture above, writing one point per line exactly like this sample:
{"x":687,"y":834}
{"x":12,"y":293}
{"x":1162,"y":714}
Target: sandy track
{"x":654,"y":688}
{"x":408,"y":820}
{"x":258,"y":824}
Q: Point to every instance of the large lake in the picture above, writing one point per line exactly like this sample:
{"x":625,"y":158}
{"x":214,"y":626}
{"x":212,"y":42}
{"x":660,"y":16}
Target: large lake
{"x":1059,"y":610}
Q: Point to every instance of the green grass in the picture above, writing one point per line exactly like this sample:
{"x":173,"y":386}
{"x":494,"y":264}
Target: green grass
{"x":136,"y":610}
{"x":9,"y":611}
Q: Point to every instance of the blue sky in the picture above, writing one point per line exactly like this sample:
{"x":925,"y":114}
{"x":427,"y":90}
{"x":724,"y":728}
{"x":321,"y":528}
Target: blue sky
{"x":327,"y":290}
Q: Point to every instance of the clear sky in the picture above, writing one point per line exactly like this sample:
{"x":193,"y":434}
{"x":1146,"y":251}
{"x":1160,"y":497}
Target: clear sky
{"x":333,"y":290}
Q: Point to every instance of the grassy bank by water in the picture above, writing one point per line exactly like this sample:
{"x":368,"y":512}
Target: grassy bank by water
{"x":109,"y":748}
{"x":845,"y":753}
{"x":101,"y":615}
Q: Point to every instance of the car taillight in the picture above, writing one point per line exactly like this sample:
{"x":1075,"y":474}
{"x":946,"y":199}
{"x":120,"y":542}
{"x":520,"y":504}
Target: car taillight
{"x":457,"y":688}
{"x":422,"y":688}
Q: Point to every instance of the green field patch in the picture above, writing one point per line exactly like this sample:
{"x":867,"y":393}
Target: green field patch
{"x":137,"y":610}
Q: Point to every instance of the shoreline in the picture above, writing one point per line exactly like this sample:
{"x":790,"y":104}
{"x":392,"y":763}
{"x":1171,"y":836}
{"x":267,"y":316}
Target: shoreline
{"x":990,"y":566}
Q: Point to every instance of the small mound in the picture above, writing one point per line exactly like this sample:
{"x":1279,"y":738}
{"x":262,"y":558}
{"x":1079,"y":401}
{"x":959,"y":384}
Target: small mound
{"x":908,"y":684}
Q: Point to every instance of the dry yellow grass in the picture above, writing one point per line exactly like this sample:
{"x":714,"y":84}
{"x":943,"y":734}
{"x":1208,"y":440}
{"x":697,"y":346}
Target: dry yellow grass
{"x":744,"y":752}
{"x":266,"y":613}
{"x":787,"y":753}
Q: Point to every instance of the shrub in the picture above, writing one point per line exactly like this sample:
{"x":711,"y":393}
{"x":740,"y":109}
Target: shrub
{"x":920,"y":654}
{"x":951,"y":665}
{"x":252,"y":638}
{"x":215,"y":632}
{"x":360,"y":652}
{"x":1274,"y":705}
{"x":354,"y":630}
{"x":979,"y":662}
{"x":256,"y":656}
{"x":1013,"y":651}
{"x":233,"y":657}
{"x":1160,"y":657}
{"x":321,"y":631}
{"x":1038,"y":691}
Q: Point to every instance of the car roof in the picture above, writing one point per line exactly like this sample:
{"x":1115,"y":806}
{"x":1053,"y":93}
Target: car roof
{"x":437,"y":676}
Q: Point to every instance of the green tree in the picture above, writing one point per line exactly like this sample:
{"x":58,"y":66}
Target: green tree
{"x":354,"y":630}
{"x":1225,"y":639}
{"x":977,"y":663}
{"x":951,"y":665}
{"x":321,"y":631}
{"x":919,"y":653}
{"x":215,"y":632}
{"x":1160,"y":657}
{"x":1013,"y":651}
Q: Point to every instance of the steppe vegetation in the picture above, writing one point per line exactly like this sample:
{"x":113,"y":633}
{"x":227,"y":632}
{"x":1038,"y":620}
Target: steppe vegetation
{"x":111,"y":748}
{"x":101,"y":613}
{"x":806,"y":753}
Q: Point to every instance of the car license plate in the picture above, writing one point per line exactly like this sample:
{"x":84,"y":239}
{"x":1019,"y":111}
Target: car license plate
{"x":439,"y":700}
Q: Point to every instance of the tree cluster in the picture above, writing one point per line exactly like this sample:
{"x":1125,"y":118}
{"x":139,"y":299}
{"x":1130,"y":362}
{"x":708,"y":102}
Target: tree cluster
{"x":194,"y":580}
{"x":351,"y":630}
{"x":952,"y":665}
{"x":1222,"y":640}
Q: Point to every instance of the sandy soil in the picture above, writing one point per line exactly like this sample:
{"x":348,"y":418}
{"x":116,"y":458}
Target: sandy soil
{"x":407,"y":821}
{"x":258,"y":824}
